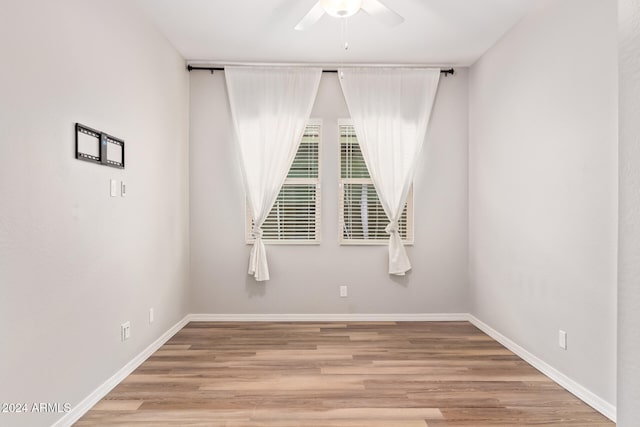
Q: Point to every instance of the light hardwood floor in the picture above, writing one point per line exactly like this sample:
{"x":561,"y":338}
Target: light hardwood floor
{"x":365,"y":374}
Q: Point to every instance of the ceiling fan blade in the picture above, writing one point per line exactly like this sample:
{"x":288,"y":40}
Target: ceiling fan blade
{"x":311,"y":17}
{"x":381,"y":12}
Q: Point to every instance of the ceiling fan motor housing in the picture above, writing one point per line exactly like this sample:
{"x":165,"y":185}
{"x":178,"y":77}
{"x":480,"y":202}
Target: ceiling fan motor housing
{"x":341,"y":8}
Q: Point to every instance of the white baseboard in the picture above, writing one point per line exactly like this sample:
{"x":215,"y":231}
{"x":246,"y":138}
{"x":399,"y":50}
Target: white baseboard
{"x":591,"y":399}
{"x":332,"y":317}
{"x":87,"y":403}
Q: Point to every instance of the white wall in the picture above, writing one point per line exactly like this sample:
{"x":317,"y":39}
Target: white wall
{"x":543,"y":188}
{"x":305,"y":279}
{"x":75,"y":263}
{"x":629,"y":215}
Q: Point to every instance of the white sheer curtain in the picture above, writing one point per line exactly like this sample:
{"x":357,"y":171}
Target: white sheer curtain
{"x":270,"y":107}
{"x":390,"y":110}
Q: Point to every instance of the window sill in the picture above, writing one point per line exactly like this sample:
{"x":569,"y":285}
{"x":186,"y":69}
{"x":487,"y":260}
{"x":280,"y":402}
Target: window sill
{"x":371,"y":243}
{"x":287,"y":242}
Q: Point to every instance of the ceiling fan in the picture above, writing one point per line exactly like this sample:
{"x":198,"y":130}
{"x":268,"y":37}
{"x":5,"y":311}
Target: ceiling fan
{"x":347,"y":8}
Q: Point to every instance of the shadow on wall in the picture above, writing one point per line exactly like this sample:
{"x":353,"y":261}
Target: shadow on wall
{"x":253,"y":288}
{"x":401,"y":280}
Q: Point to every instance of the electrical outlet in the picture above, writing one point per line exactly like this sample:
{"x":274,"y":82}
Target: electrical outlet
{"x":343,"y":291}
{"x":562,"y":339}
{"x":125,"y":331}
{"x":151,"y":316}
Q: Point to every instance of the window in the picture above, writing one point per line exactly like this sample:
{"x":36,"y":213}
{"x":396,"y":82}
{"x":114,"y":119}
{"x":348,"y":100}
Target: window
{"x":295,"y":216}
{"x":362,"y":219}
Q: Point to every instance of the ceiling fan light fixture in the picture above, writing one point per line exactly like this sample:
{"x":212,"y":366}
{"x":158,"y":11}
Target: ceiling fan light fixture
{"x":341,"y":8}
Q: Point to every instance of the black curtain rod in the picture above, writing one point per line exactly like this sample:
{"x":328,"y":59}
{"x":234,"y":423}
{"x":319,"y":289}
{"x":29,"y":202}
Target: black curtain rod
{"x":212,"y":69}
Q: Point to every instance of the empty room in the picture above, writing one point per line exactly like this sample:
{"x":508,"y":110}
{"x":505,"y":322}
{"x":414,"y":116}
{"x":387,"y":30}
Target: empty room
{"x":446,"y":233}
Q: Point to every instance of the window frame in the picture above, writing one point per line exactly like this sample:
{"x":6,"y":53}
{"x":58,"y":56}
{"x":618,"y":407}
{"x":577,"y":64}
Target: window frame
{"x":409,"y":241}
{"x":295,"y":181}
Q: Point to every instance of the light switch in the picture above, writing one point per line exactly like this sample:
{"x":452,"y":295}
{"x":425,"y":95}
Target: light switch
{"x":123,"y":189}
{"x":114,"y":188}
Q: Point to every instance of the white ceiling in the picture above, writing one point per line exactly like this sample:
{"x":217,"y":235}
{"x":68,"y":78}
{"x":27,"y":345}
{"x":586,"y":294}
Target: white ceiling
{"x":435,"y":32}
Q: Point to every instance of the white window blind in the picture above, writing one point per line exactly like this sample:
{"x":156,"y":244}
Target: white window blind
{"x":295,"y":216}
{"x":361,"y":217}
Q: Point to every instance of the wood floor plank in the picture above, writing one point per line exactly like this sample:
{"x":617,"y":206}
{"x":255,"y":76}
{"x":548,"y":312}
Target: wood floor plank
{"x":347,"y":374}
{"x":118,"y":405}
